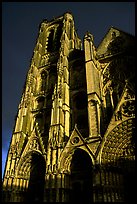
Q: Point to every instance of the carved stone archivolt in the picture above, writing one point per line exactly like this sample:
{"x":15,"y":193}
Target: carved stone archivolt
{"x":25,"y":164}
{"x":65,"y":161}
{"x":118,"y":143}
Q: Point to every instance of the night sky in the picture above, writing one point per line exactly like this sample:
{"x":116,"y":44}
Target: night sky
{"x":20,"y":26}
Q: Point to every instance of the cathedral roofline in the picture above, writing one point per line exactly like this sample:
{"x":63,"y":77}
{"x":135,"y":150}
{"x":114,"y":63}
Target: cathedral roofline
{"x":112,"y":27}
{"x":121,"y":31}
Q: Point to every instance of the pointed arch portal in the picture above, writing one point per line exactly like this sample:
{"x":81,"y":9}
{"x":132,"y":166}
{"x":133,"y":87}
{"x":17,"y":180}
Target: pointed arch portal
{"x":81,"y":177}
{"x":37,"y":178}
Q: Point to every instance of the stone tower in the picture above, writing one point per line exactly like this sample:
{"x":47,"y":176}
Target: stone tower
{"x":73,"y":139}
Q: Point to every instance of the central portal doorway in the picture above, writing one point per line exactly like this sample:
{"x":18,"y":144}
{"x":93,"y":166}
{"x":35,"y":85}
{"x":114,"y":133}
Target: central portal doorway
{"x":37,"y":179}
{"x":81,"y":178}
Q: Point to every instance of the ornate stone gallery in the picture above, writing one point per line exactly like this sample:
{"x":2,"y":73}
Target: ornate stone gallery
{"x":74,"y":134}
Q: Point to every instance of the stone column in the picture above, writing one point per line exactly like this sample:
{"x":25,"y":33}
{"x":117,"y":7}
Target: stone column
{"x":63,"y":186}
{"x":98,"y":118}
{"x":58,"y":187}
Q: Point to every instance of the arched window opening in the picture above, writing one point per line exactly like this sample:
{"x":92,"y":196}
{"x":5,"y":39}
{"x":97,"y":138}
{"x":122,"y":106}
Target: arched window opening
{"x":58,"y":36}
{"x":35,"y":191}
{"x":81,"y":178}
{"x":52,"y":79}
{"x":70,"y":29}
{"x":50,"y":47}
{"x":108,"y":106}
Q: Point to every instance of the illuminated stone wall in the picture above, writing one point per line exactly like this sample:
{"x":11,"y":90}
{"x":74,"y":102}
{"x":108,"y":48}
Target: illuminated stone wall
{"x":74,"y":133}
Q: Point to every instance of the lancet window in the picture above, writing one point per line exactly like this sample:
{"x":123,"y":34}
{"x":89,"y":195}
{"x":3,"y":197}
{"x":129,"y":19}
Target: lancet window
{"x":70,"y":29}
{"x":109,"y":107}
{"x":52,"y":79}
{"x":58,"y":36}
{"x":53,"y":43}
{"x":50,"y":47}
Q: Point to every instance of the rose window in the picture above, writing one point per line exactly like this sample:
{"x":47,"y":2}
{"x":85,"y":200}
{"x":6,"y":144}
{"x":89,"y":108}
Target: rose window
{"x":128,"y":108}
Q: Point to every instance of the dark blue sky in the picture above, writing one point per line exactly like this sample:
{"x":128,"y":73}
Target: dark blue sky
{"x":20,"y":26}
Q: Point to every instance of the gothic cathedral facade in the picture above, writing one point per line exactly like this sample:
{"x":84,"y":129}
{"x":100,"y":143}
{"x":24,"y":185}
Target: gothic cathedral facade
{"x":74,"y":133}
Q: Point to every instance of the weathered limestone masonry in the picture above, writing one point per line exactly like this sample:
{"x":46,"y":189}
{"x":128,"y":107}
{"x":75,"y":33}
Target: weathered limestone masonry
{"x":74,"y":133}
